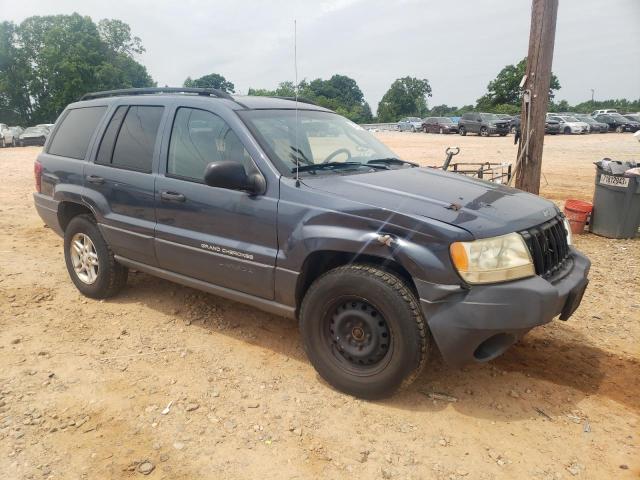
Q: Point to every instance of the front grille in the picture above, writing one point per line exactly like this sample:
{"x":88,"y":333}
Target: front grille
{"x":548,"y":246}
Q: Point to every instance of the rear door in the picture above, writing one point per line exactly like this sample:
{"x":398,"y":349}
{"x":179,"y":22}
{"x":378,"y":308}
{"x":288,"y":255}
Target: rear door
{"x":223,"y":237}
{"x":119,"y":184}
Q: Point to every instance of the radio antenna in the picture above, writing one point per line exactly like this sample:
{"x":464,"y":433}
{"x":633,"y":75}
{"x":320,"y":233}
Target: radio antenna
{"x":295,"y":68}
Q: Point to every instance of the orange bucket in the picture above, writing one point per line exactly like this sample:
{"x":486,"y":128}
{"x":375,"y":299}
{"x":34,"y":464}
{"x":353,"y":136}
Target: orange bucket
{"x":577,"y":212}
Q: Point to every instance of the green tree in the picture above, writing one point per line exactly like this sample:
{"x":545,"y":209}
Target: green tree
{"x":48,"y":62}
{"x":505,"y":89}
{"x":213,"y":80}
{"x":406,"y":96}
{"x":340,"y":93}
{"x":117,"y":36}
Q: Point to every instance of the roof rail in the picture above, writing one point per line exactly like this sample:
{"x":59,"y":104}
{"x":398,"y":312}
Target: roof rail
{"x":299,"y":99}
{"x":212,"y":92}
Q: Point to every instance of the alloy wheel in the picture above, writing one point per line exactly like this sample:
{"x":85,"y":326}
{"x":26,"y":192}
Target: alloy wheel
{"x":84,"y":258}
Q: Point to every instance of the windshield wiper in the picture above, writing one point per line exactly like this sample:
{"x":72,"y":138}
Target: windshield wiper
{"x":334,"y":166}
{"x":391,"y":161}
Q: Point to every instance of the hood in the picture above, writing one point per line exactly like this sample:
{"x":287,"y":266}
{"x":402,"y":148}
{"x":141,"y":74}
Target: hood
{"x":482,"y":208}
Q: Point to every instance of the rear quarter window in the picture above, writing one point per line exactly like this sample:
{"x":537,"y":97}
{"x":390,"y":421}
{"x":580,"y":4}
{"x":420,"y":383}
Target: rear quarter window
{"x":73,"y":135}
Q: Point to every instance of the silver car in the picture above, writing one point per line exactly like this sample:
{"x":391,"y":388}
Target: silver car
{"x":410,"y":124}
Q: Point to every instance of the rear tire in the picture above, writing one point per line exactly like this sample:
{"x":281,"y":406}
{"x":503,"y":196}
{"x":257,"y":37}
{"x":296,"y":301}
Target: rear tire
{"x":441,"y":131}
{"x":90,"y":263}
{"x":2,"y":142}
{"x":619,"y":129}
{"x":363,"y":331}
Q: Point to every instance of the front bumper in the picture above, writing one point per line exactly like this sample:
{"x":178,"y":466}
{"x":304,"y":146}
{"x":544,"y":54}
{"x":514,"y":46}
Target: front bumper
{"x":481,"y":323}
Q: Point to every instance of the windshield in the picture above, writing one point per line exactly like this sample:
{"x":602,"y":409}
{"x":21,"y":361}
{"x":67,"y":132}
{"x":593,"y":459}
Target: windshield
{"x":489,"y":117}
{"x":445,"y":120}
{"x":570,"y":119}
{"x":321,"y":137}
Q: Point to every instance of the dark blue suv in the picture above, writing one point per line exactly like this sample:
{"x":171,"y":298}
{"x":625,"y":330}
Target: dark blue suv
{"x":295,"y":210}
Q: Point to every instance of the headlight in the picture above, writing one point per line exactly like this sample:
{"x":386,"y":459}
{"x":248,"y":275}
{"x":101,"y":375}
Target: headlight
{"x":491,"y":260}
{"x":567,"y":227}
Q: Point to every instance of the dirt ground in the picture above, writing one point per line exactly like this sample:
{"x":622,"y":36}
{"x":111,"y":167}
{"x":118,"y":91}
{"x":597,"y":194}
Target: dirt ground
{"x":191,"y":386}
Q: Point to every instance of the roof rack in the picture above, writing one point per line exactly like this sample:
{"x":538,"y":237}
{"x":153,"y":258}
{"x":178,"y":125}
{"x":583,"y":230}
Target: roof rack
{"x":299,"y":99}
{"x":212,"y":92}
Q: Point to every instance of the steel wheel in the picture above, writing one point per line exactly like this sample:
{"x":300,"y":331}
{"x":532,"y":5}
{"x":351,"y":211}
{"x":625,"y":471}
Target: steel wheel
{"x":84,"y":258}
{"x":484,"y":132}
{"x":358,"y":336}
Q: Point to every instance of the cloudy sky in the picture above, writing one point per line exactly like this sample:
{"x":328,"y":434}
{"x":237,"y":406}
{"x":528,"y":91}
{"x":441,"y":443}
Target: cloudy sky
{"x":459,"y":46}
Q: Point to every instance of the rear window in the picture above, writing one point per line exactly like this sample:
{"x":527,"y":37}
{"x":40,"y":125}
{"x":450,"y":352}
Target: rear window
{"x":74,"y":133}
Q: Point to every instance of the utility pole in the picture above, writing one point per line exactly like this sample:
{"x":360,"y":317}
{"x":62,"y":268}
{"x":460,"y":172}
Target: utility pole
{"x":536,"y":93}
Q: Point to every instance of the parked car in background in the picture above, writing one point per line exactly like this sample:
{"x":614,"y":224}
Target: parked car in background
{"x":33,"y":136}
{"x":484,"y":124}
{"x":410,"y":124}
{"x":569,"y":125}
{"x":4,"y":135}
{"x":9,"y":135}
{"x":635,"y":117}
{"x":552,"y":127}
{"x":439,"y":125}
{"x":594,"y":125}
{"x":616,"y":122}
{"x":632,"y":125}
{"x":595,"y":113}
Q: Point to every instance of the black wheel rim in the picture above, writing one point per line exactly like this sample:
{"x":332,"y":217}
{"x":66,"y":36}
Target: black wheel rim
{"x":358,"y":336}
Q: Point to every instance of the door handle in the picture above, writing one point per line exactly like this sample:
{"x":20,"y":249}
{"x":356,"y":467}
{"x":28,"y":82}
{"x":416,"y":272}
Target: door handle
{"x":95,"y":179}
{"x":172,"y":197}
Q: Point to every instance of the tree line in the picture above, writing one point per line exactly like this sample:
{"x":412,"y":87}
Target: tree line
{"x":47,"y":62}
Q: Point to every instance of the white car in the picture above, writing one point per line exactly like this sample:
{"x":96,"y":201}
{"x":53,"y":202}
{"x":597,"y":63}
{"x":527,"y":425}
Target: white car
{"x":570,"y":124}
{"x":9,"y":135}
{"x":595,"y":113}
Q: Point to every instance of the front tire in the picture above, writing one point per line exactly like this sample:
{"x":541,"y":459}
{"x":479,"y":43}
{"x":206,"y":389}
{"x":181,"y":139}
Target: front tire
{"x":462,"y":131}
{"x":363,"y":331}
{"x":484,"y":132}
{"x":619,"y":129}
{"x":90,"y":261}
{"x":567,"y":131}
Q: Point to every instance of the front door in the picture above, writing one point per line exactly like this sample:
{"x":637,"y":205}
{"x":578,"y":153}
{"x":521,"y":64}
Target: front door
{"x":220,"y":236}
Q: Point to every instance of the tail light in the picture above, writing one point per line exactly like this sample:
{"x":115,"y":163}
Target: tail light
{"x":37,"y":173}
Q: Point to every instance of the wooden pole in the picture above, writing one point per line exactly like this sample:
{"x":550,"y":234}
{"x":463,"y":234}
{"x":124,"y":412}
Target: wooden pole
{"x":536,"y":93}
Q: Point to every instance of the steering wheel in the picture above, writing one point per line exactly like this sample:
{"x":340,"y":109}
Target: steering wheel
{"x":336,"y":153}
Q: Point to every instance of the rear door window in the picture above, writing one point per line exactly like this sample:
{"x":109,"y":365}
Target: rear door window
{"x":135,"y":131}
{"x":75,"y":131}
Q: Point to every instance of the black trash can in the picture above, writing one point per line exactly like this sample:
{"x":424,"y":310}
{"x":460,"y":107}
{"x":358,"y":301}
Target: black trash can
{"x":616,"y":205}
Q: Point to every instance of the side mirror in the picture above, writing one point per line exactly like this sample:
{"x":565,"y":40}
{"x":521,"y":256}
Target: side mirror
{"x":231,"y":175}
